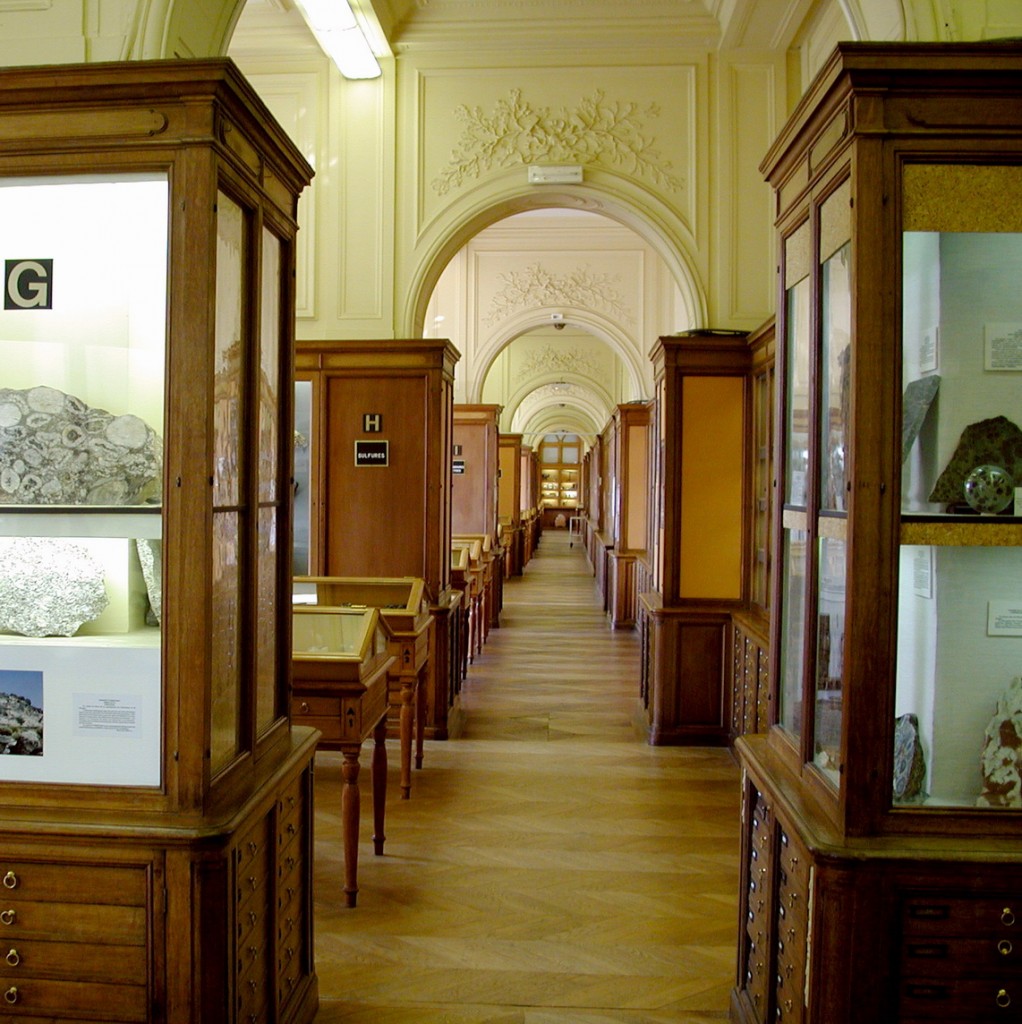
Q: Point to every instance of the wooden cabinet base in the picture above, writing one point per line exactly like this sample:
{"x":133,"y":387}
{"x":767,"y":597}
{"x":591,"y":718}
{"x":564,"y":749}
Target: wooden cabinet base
{"x":139,"y":922}
{"x":933,"y":923}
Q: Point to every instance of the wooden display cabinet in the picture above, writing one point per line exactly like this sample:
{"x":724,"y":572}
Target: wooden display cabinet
{"x":156,"y":817}
{"x":882,"y":813}
{"x":509,"y":500}
{"x":750,"y":626}
{"x":378,"y":434}
{"x":626,"y":509}
{"x":341,"y":660}
{"x":697,"y":534}
{"x":404,"y":614}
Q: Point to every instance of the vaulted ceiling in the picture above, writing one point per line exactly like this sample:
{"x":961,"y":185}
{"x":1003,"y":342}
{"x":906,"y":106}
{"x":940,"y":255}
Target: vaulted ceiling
{"x":551,"y":24}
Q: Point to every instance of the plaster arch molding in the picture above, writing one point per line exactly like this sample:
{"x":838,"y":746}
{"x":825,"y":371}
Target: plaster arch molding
{"x":604,"y":193}
{"x":603,"y":329}
{"x":553,"y":407}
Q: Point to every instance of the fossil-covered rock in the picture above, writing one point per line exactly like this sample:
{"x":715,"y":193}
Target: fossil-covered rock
{"x":56,"y":450}
{"x":48,"y":586}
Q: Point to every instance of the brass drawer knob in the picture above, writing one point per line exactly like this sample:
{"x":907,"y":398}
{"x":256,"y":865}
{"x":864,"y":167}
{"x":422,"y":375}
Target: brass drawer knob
{"x":1004,"y":947}
{"x":13,"y":958}
{"x":304,"y":707}
{"x":1007,"y":916}
{"x":8,"y":916}
{"x":10,"y":880}
{"x":1003,"y":999}
{"x":11,"y":995}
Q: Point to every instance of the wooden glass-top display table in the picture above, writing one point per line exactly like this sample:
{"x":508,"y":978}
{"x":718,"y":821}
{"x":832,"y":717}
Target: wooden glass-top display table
{"x":340,"y":660}
{"x":408,"y":625}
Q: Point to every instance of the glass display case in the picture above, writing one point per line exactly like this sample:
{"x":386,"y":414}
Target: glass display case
{"x":145,"y":460}
{"x":350,"y":635}
{"x":886,"y":791}
{"x":408,"y":624}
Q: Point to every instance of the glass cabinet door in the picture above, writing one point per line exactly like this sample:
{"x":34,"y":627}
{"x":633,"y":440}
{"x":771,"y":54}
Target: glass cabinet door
{"x":815,"y":451}
{"x":958,"y":729}
{"x":82,"y":343}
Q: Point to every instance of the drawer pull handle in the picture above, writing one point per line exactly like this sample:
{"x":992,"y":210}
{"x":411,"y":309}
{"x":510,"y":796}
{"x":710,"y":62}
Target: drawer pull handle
{"x":305,"y":708}
{"x":11,"y":995}
{"x":291,"y":829}
{"x":13,"y":958}
{"x":10,"y":880}
{"x":8,"y":916}
{"x":252,"y":846}
{"x":1007,"y":916}
{"x":1003,"y":999}
{"x":1004,"y":947}
{"x":253,"y":882}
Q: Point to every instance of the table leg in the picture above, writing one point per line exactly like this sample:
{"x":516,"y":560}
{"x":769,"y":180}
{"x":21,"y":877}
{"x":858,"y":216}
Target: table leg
{"x":408,"y":714}
{"x":379,"y":783}
{"x":351,"y":803}
{"x":420,"y":710}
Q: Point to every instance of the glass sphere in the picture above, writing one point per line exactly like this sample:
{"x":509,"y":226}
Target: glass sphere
{"x":989,"y":489}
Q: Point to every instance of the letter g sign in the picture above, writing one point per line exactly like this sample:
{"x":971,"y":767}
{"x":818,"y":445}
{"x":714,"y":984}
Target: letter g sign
{"x":28,"y":284}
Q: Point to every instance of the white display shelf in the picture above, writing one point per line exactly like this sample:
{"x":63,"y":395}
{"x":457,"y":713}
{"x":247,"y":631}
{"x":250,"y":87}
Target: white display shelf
{"x":42,"y":521}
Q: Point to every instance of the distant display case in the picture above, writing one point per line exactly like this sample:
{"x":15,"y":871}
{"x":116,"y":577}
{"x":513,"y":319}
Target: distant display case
{"x":145,"y":464}
{"x":406,"y":619}
{"x":882,"y":809}
{"x":560,"y":471}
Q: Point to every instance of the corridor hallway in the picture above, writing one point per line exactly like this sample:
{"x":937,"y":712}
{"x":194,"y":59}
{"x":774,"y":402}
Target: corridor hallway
{"x":550,"y":867}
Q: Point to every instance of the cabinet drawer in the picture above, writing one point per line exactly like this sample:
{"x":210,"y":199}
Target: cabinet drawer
{"x":971,"y":999}
{"x":330,"y":727}
{"x":794,"y":863}
{"x":83,"y":961}
{"x":252,"y":993}
{"x":252,"y":863}
{"x":73,"y":883}
{"x":955,"y":957}
{"x":290,"y":806}
{"x":291,"y":888}
{"x":966,"y":916}
{"x":37,"y":997}
{"x":788,"y":993}
{"x":251,"y":853}
{"x":316,"y":706}
{"x":70,"y":922}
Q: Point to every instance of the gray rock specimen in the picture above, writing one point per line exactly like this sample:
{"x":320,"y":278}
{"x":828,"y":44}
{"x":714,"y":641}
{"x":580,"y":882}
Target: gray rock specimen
{"x":56,"y":450}
{"x":21,"y":725}
{"x":49,"y":587}
{"x":150,"y":557}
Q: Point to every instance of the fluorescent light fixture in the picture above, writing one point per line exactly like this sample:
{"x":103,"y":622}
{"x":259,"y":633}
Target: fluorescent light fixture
{"x":333,"y":24}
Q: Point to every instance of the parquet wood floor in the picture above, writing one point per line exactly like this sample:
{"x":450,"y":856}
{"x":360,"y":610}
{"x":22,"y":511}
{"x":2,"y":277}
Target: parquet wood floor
{"x":550,"y":867}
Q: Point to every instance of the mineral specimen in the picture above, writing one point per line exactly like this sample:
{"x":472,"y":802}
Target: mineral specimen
{"x":56,"y":450}
{"x":48,"y":587}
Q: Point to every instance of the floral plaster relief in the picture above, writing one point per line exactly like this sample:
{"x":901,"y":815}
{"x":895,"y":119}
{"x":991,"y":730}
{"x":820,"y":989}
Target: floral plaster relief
{"x":630,"y":121}
{"x":596,"y":132}
{"x":574,"y":360}
{"x":536,"y":287}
